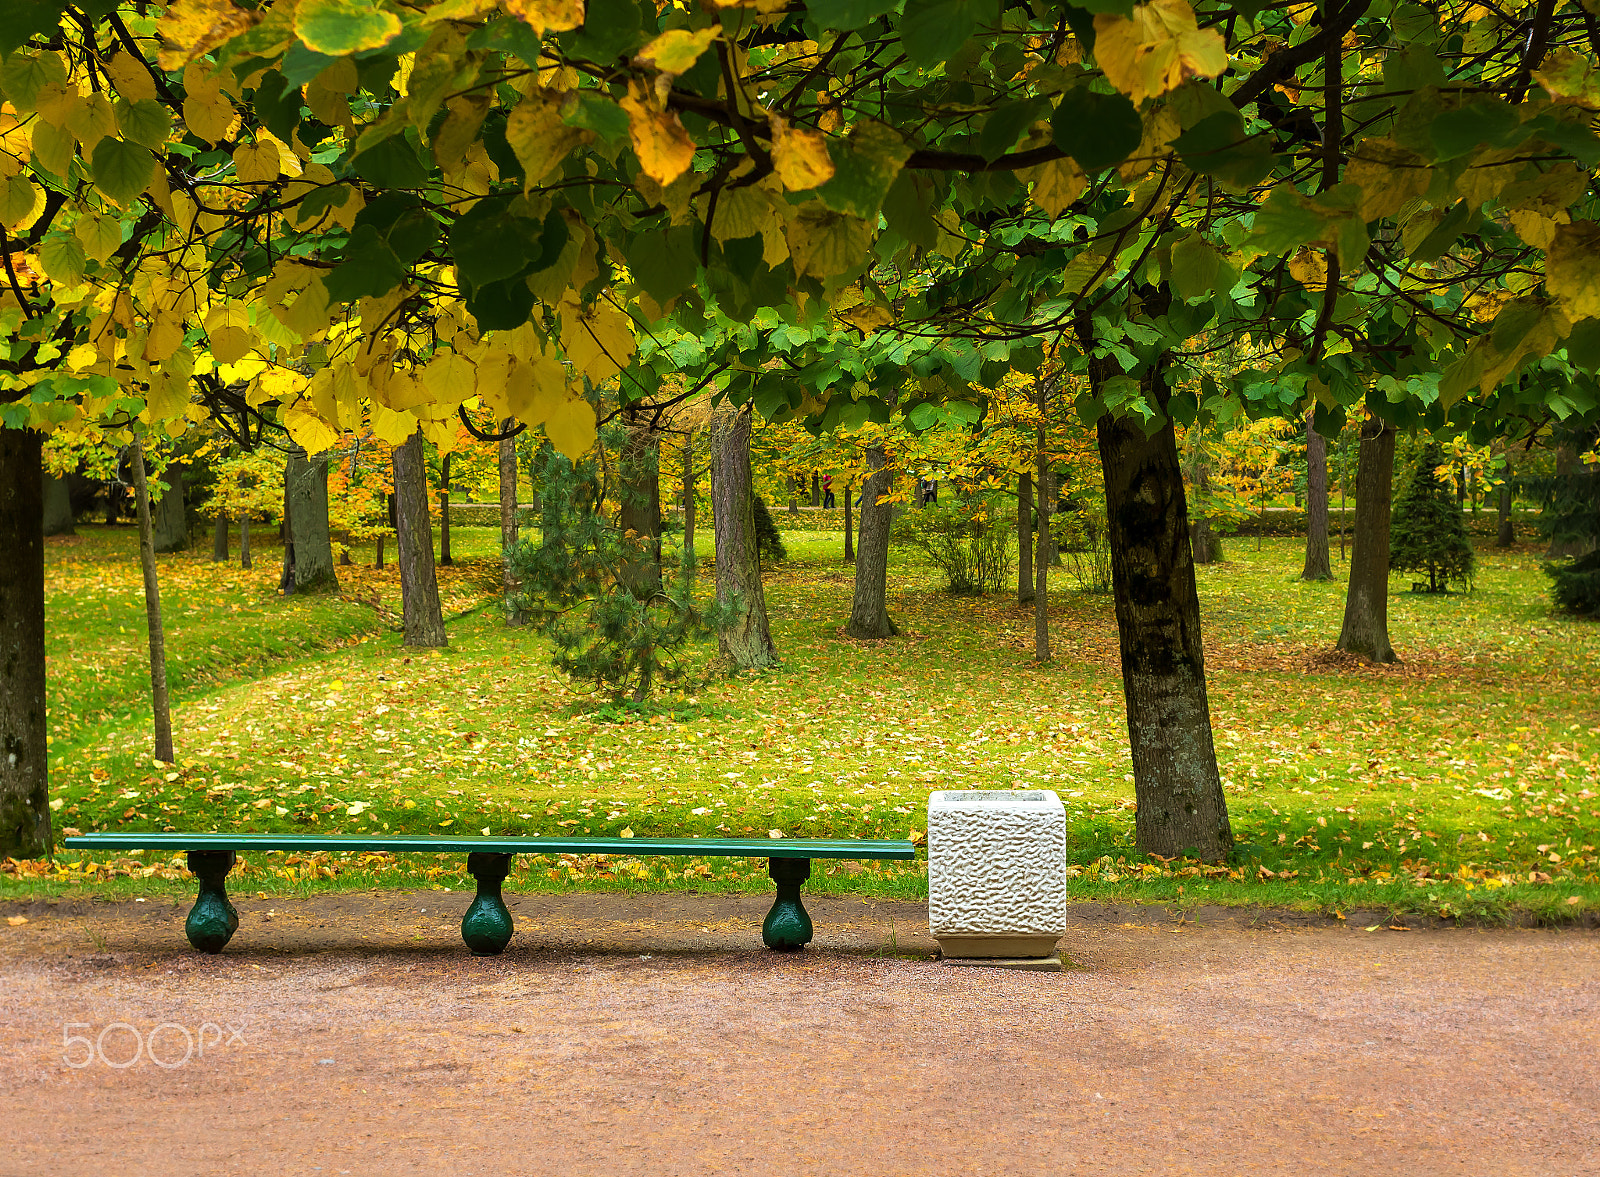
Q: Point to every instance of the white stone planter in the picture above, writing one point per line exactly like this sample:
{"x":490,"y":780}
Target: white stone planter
{"x":997,"y":872}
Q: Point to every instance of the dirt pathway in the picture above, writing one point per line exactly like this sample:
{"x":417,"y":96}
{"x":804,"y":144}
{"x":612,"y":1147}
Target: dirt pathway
{"x":625,"y":1034}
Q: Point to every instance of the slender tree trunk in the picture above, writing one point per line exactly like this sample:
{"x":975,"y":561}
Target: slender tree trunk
{"x":286,"y":530}
{"x":244,"y":540}
{"x":219,"y":539}
{"x":422,"y":619}
{"x":1317,"y":565}
{"x":1566,"y":460}
{"x":170,"y":520}
{"x":508,"y":514}
{"x":869,"y":607}
{"x":849,"y":540}
{"x":746,"y":638}
{"x":1025,"y":587}
{"x":25,"y":764}
{"x":57,"y":511}
{"x":1366,"y":607}
{"x":1204,"y":545}
{"x":689,"y":559}
{"x":641,"y":503}
{"x":444,"y":512}
{"x":306,"y":485}
{"x":159,"y":703}
{"x":1041,"y":556}
{"x":1507,"y":532}
{"x":816,"y":488}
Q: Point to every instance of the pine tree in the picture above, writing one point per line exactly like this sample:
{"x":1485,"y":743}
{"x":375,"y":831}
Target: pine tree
{"x":1572,"y":520}
{"x":1428,"y":533}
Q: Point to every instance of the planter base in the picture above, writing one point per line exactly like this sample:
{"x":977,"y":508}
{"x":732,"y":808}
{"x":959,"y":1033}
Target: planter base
{"x":1026,"y":964}
{"x":1009,"y":945}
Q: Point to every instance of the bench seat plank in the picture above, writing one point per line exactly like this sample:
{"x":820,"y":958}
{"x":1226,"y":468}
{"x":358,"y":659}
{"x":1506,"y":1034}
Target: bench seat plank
{"x":715,"y":847}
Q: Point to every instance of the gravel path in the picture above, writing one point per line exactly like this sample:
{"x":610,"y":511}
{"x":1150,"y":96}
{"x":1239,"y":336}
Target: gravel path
{"x":629,"y":1034}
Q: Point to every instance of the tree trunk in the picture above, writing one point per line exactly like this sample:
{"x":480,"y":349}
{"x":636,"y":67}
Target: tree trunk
{"x":1366,"y":606}
{"x":219,"y":539}
{"x":816,"y":488}
{"x":159,"y":704}
{"x":689,"y":560}
{"x":24,"y":766}
{"x":170,"y":519}
{"x":306,"y":484}
{"x":641,"y":504}
{"x":1317,"y":565}
{"x":1041,"y":555}
{"x":1205,"y":547}
{"x":1507,"y":533}
{"x":508,"y":515}
{"x":1025,"y":588}
{"x":444,"y":511}
{"x":1566,"y":460}
{"x":849,"y":540}
{"x":746,"y":637}
{"x":244,"y":540}
{"x":869,"y":607}
{"x":286,"y":530}
{"x":422,"y":620}
{"x":57,"y":510}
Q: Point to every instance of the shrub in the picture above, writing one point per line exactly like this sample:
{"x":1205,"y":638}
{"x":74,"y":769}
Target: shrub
{"x":962,"y":539}
{"x":769,"y":543}
{"x":1577,"y":584}
{"x":1081,"y":537}
{"x":1427,"y":532}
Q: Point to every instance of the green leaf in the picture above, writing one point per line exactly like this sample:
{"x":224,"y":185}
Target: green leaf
{"x":664,"y":264}
{"x":501,"y":306}
{"x":1194,"y":268}
{"x":907,"y":209}
{"x":493,"y":241}
{"x":121,"y":169}
{"x":599,"y":114}
{"x":392,"y":163}
{"x":611,"y":28}
{"x":1583,"y":345}
{"x":1483,"y":122}
{"x":1002,"y":128}
{"x":369,"y":269}
{"x":22,"y":74}
{"x":933,"y":30}
{"x":1098,"y":130}
{"x":145,"y":121}
{"x":22,"y":20}
{"x":61,"y":255}
{"x":844,"y":15}
{"x":277,"y":105}
{"x":405,"y":226}
{"x":1286,"y":221}
{"x":338,"y":27}
{"x":865,"y":166}
{"x":1217,"y":146}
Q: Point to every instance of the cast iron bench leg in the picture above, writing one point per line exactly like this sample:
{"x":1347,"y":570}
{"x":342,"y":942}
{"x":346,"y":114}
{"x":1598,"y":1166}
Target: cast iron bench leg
{"x":787,"y":925}
{"x":487,"y":925}
{"x":212,"y":921}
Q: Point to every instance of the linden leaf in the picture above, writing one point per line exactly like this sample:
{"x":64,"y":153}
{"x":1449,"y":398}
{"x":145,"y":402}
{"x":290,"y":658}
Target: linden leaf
{"x":547,"y":16}
{"x":62,"y":258}
{"x":599,"y":343}
{"x":122,"y":170}
{"x":309,"y":431}
{"x":449,"y":378}
{"x":391,"y":426}
{"x":571,"y":429}
{"x":338,"y":27}
{"x":131,"y":78}
{"x":824,"y":243}
{"x":192,"y":27}
{"x":540,"y":138}
{"x":256,"y":162}
{"x":664,"y":148}
{"x":799,"y":157}
{"x":1056,"y":185}
{"x":1157,"y":50}
{"x":675,"y":50}
{"x":1572,"y":269}
{"x":1569,"y":77}
{"x":1388,"y":175}
{"x":18,"y":199}
{"x":100,"y":235}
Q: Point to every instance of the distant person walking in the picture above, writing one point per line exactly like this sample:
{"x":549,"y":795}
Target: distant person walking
{"x":827,"y":491}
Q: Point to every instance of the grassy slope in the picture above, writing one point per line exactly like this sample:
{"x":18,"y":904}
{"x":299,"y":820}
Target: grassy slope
{"x":1471,"y":767}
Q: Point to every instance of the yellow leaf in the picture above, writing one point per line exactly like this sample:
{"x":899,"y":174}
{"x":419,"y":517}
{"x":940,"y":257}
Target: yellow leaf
{"x":1388,"y":175}
{"x":338,"y":27}
{"x":599,"y":342}
{"x":675,"y":50}
{"x":166,"y":336}
{"x":800,"y":157}
{"x":18,"y":200}
{"x":309,"y":431}
{"x":1056,"y":185}
{"x":130,"y":77}
{"x":91,"y":120}
{"x":1569,"y":77}
{"x":548,"y":16}
{"x":539,"y":137}
{"x":256,"y":162}
{"x":1572,"y":269}
{"x":1157,"y":50}
{"x":210,"y":115}
{"x":1309,"y":268}
{"x":309,"y":312}
{"x":54,"y":146}
{"x":100,"y":235}
{"x":824,"y":243}
{"x":571,"y":428}
{"x":625,"y":832}
{"x":54,"y":101}
{"x":664,"y":148}
{"x":392,"y":427}
{"x":449,"y":378}
{"x":192,"y":27}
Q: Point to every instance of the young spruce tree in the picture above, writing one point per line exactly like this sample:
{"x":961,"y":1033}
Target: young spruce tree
{"x":1428,"y":533}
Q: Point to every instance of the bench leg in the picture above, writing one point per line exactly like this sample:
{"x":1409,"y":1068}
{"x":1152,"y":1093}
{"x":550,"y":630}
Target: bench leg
{"x":212,"y":921}
{"x":787,"y":925}
{"x":487,"y":925}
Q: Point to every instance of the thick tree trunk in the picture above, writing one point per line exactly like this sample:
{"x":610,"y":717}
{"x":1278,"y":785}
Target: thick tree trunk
{"x":1041,"y":555}
{"x":57,"y":510}
{"x":508,"y":514}
{"x":422,"y":619}
{"x":1025,"y":588}
{"x":24,"y":749}
{"x":689,"y":559}
{"x":746,"y":638}
{"x":641,"y":504}
{"x":219,"y":539}
{"x":1366,"y":606}
{"x":306,"y":485}
{"x":849,"y":540}
{"x":444,"y":511}
{"x":869,"y":607}
{"x":1181,"y":808}
{"x":244,"y":540}
{"x":160,"y":705}
{"x":1317,"y":565}
{"x":170,"y":518}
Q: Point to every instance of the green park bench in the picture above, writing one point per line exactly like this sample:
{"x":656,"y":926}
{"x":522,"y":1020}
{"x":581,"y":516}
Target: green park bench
{"x":487,"y":925}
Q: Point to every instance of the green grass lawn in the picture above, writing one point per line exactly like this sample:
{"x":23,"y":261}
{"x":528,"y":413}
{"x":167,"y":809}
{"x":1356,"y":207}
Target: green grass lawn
{"x":1461,"y":782}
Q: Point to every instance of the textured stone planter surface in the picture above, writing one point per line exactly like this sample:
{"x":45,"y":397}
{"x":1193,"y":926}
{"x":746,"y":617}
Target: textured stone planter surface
{"x":997,"y":871}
